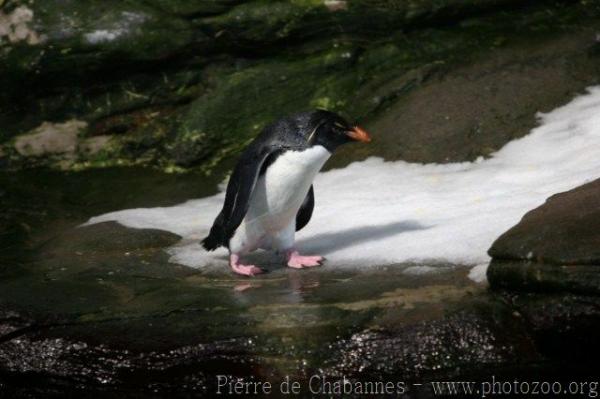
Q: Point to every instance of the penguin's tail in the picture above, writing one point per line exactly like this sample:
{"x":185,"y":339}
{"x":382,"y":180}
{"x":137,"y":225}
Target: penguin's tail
{"x":216,"y":237}
{"x":212,"y":242}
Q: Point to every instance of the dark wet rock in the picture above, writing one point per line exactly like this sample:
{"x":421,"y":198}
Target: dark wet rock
{"x":554,"y":247}
{"x":561,"y":325}
{"x":547,"y":268}
{"x":184,"y":66}
{"x":565,"y":230}
{"x":473,"y":332}
{"x":532,"y":276}
{"x":111,"y":236}
{"x":65,"y":366}
{"x":13,"y":324}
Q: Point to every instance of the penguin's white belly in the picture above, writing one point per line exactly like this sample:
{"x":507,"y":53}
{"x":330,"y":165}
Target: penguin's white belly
{"x":281,"y":190}
{"x":277,"y":197}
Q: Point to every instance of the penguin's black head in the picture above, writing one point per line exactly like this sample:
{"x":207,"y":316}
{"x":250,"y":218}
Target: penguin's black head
{"x":331,"y":130}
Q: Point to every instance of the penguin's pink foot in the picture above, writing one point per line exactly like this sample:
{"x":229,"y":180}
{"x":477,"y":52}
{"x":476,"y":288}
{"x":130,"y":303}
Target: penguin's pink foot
{"x":244,"y":270}
{"x":297,"y":261}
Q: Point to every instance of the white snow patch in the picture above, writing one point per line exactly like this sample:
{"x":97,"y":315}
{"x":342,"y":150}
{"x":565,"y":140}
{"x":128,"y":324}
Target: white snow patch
{"x":377,"y":213}
{"x":479,"y":273}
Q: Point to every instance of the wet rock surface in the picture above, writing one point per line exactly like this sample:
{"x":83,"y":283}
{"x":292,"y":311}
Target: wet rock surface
{"x":183,"y":66}
{"x":547,"y":268}
{"x":99,"y":309}
{"x":472,"y":332}
{"x":555,"y":247}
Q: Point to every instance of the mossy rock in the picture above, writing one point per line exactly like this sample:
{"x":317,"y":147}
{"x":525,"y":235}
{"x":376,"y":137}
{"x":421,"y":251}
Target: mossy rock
{"x":89,"y":61}
{"x":432,"y":96}
{"x":197,"y":80}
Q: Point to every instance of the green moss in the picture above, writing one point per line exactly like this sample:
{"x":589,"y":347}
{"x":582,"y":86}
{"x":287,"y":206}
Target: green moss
{"x":264,"y":22}
{"x":261,"y":93}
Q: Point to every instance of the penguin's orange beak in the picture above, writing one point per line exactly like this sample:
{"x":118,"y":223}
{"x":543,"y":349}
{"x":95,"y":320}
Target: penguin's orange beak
{"x":359,"y":134}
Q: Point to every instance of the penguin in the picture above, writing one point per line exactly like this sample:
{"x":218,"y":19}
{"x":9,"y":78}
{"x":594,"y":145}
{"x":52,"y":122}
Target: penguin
{"x":270,"y":194}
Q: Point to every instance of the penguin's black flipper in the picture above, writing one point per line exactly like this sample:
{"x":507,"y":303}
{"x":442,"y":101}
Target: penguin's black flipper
{"x":306,"y":209}
{"x":237,"y":198}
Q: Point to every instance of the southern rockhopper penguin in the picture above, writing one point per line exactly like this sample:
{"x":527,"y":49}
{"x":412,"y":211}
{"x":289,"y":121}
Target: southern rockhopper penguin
{"x":270,"y":195}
